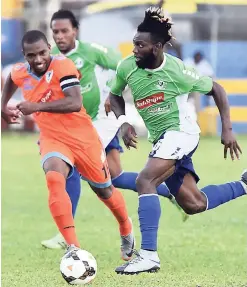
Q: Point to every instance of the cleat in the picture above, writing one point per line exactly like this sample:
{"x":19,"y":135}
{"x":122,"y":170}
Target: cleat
{"x":243,"y":180}
{"x":56,"y":242}
{"x":127,"y":245}
{"x":70,"y":250}
{"x":145,"y":261}
{"x":185,"y":216}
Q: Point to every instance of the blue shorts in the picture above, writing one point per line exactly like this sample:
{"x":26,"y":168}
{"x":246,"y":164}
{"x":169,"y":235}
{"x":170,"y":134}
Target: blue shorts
{"x":114,"y":144}
{"x":182,"y":167}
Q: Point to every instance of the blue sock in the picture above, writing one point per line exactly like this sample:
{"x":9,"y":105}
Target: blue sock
{"x":220,"y":194}
{"x":149,"y":214}
{"x":73,"y":188}
{"x":127,"y":180}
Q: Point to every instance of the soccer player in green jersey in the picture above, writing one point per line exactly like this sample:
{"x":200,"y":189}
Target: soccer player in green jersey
{"x":160,"y":84}
{"x":87,"y":58}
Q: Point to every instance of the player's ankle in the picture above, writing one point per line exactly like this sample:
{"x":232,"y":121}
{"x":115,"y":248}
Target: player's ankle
{"x":149,"y":253}
{"x":125,"y":227}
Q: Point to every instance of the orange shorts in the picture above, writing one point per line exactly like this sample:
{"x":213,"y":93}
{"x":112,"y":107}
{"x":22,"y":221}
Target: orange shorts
{"x":90,"y":160}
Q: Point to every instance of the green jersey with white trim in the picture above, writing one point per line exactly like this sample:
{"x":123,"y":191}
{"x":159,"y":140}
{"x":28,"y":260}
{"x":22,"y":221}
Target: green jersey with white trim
{"x":86,"y":57}
{"x":160,"y":95}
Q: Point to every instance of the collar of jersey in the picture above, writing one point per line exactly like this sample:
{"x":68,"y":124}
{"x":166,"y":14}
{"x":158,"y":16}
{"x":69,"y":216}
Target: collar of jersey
{"x":73,"y":50}
{"x":160,"y":67}
{"x":32,"y":74}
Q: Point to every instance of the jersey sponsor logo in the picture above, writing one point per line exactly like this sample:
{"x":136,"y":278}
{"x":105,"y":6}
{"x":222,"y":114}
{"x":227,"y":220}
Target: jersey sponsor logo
{"x":191,"y":74}
{"x":160,"y":110}
{"x":48,"y":76}
{"x":46,"y":96}
{"x":149,"y":101}
{"x":161,"y":85}
{"x":79,"y":62}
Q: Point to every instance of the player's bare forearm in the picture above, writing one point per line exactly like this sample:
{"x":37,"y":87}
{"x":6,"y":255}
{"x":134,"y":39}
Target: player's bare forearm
{"x":221,"y":101}
{"x":63,"y":106}
{"x":117,"y":105}
{"x":8,"y":91}
{"x":71,"y":103}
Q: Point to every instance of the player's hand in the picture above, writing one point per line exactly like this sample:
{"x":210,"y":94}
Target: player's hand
{"x":107,"y":105}
{"x":229,"y":141}
{"x":27,"y":108}
{"x":11,"y":115}
{"x":129,"y":135}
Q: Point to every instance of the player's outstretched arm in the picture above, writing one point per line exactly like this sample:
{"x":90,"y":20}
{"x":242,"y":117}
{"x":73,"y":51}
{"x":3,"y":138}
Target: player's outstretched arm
{"x":227,"y":137}
{"x":9,"y":114}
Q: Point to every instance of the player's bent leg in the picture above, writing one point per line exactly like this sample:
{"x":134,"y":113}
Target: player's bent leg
{"x":189,"y":197}
{"x":93,"y":167}
{"x":114,"y":162}
{"x":149,"y":211}
{"x":57,"y":171}
{"x":127,"y":180}
{"x":167,"y":155}
{"x":73,"y":188}
{"x":120,"y":178}
{"x":114,"y":200}
{"x":195,"y":201}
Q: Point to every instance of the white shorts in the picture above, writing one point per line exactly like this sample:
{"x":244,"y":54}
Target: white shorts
{"x":179,"y":146}
{"x":107,"y":128}
{"x":175,"y":145}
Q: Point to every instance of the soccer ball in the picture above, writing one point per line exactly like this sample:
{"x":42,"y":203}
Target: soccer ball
{"x":79,"y":267}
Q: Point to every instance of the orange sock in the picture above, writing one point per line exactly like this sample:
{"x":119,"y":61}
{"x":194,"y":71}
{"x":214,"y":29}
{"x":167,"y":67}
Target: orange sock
{"x":117,"y":206}
{"x":60,"y":206}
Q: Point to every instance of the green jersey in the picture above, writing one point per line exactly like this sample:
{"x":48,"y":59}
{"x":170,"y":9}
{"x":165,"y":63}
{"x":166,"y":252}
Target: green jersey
{"x":160,"y":95}
{"x":86,"y":57}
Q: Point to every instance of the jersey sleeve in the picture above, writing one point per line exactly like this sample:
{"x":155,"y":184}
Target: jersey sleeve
{"x":191,"y":81}
{"x":119,"y":83}
{"x":67,"y":74}
{"x":16,"y":74}
{"x":105,"y":57}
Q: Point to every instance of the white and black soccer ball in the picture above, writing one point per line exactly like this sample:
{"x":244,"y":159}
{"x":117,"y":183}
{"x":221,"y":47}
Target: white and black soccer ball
{"x":79,"y":267}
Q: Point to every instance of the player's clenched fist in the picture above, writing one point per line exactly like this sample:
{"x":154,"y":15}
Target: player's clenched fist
{"x":27,"y":108}
{"x":10,"y":114}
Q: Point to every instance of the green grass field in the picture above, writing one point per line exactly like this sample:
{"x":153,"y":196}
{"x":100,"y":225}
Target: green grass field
{"x":208,"y":250}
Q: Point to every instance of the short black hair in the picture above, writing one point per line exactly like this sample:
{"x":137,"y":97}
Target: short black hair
{"x":33,"y":36}
{"x":65,"y":14}
{"x":157,"y":24}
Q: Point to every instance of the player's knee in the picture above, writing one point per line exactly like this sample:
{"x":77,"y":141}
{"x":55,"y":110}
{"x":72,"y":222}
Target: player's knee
{"x":57,"y":165}
{"x":103,"y":193}
{"x":143,"y":184}
{"x":195,"y":206}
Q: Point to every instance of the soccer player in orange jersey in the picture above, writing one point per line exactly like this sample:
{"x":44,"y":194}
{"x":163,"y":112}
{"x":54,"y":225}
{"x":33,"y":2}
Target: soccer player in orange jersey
{"x":52,"y":94}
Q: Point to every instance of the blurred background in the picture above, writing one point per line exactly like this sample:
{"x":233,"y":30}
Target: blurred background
{"x":211,"y":35}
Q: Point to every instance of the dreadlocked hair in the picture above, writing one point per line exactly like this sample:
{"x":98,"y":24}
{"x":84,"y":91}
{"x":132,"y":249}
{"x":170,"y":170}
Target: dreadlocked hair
{"x":157,"y":24}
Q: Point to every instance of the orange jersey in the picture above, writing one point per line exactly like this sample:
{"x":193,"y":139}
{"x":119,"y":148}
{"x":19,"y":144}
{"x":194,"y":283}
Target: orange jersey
{"x":72,"y":128}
